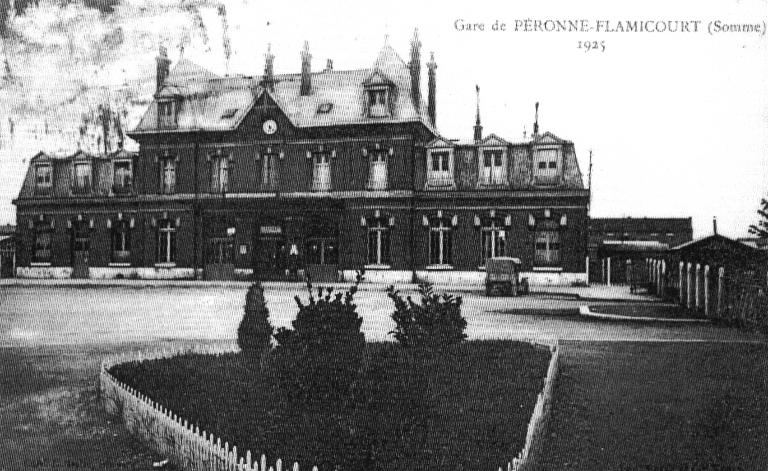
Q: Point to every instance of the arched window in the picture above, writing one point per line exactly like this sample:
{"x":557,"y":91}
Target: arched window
{"x":121,"y":242}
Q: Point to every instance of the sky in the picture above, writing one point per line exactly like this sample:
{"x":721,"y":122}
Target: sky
{"x":677,"y":123}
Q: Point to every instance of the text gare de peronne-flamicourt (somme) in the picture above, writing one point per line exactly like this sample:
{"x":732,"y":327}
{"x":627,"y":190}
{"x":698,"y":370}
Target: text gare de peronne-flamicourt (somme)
{"x":533,"y":25}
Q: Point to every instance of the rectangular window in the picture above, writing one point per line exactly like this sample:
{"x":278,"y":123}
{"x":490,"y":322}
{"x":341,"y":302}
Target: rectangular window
{"x":121,"y":242}
{"x":43,"y":177}
{"x":440,"y":171}
{"x":82,"y":177}
{"x":122,"y":179}
{"x":378,"y":243}
{"x":167,"y":176}
{"x":166,"y":242}
{"x":43,"y":237}
{"x":166,"y":113}
{"x":377,"y":174}
{"x":219,"y":174}
{"x":492,"y":171}
{"x":494,"y":242}
{"x":440,"y":243}
{"x":547,"y":250}
{"x":321,"y":171}
{"x":546,"y":167}
{"x":268,"y":171}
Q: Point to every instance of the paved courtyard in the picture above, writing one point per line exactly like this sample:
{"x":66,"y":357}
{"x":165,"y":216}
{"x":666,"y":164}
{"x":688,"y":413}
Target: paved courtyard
{"x":53,"y":336}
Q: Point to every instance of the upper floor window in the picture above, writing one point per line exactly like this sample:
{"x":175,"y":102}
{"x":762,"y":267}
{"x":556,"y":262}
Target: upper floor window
{"x":43,"y":178}
{"x":377,"y":175}
{"x":43,"y":239}
{"x":378,"y":242}
{"x":166,"y":241}
{"x":123,"y":176}
{"x":82,"y":177}
{"x":219,"y":166}
{"x":547,"y":166}
{"x":167,"y":175}
{"x":166,"y":114}
{"x":121,"y":242}
{"x":321,"y":171}
{"x":378,"y":102}
{"x":440,"y":171}
{"x":269,"y":171}
{"x":494,"y":237}
{"x":440,"y":242}
{"x":492,"y":167}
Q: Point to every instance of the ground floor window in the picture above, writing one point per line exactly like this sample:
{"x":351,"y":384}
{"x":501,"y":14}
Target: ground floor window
{"x":322,"y":251}
{"x":81,"y":240}
{"x":166,"y":241}
{"x":494,"y":240}
{"x":440,"y":242}
{"x":547,"y":247}
{"x":378,"y":243}
{"x":43,"y":238}
{"x":121,"y":242}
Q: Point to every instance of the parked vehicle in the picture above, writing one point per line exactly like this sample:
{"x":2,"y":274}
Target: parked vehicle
{"x":502,"y":276}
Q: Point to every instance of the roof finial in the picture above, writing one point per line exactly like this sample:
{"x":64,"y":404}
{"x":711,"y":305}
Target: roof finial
{"x":536,"y":122}
{"x":714,"y":225}
{"x":386,"y":39}
{"x":478,"y":134}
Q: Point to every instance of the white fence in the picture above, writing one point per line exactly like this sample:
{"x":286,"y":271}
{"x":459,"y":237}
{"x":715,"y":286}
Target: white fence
{"x":197,"y":450}
{"x":539,"y":417}
{"x":166,"y":433}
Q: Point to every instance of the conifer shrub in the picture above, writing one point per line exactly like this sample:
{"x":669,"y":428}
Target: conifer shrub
{"x":254,"y":334}
{"x":434,"y":322}
{"x":318,"y":360}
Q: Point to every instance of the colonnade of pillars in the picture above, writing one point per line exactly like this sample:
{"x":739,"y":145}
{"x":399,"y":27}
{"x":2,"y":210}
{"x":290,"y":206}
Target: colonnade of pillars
{"x":696,"y":287}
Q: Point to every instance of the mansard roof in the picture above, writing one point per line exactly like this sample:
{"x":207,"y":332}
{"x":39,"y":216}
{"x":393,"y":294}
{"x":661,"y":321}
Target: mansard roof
{"x":208,"y":102}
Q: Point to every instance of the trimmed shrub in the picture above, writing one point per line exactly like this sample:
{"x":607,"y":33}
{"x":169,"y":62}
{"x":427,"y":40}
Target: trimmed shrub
{"x":254,"y":334}
{"x":318,"y":361}
{"x":435,"y":322}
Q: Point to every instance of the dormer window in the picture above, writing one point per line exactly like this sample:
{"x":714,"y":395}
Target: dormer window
{"x":547,"y":165}
{"x":492,"y":167}
{"x":82,"y":177}
{"x":378,"y":102}
{"x":166,"y":114}
{"x":440,"y":169}
{"x":43,"y":178}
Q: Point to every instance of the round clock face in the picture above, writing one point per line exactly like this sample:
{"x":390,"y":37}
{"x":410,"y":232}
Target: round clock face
{"x":269,"y":126}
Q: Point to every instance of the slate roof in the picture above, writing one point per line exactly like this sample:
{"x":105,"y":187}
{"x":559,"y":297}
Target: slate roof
{"x":641,"y":225}
{"x":205,"y":98}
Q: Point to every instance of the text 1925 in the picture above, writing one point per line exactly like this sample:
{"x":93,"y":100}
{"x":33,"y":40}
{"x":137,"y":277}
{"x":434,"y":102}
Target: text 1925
{"x":592,"y":46}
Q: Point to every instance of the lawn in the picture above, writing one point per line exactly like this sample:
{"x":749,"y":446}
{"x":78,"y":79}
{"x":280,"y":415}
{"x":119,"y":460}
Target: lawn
{"x":465,"y":408}
{"x":642,"y":406}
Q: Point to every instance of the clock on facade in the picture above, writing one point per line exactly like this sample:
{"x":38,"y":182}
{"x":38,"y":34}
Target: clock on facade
{"x":269,"y":126}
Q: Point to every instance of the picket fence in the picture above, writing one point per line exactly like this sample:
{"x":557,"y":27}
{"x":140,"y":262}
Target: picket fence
{"x":540,"y":415}
{"x":166,"y":433}
{"x":197,"y":450}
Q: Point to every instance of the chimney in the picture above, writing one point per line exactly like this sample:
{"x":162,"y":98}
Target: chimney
{"x":431,"y":89}
{"x":478,"y":135}
{"x":415,"y":66}
{"x":268,"y":81}
{"x":163,"y":68}
{"x":306,"y":71}
{"x":714,"y":225}
{"x":329,"y":65}
{"x":536,"y":122}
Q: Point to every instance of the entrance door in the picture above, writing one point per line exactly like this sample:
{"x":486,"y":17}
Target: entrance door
{"x":6,"y":264}
{"x":81,"y":244}
{"x":322,"y":255}
{"x":220,"y":247}
{"x":270,"y":263}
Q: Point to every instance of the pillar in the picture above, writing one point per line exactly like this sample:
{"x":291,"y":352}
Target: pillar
{"x":706,"y":290}
{"x":680,"y":284}
{"x":602,"y":270}
{"x":662,"y":281}
{"x":609,"y":271}
{"x":697,"y":294}
{"x":688,"y":286}
{"x":720,"y":291}
{"x":586,"y":266}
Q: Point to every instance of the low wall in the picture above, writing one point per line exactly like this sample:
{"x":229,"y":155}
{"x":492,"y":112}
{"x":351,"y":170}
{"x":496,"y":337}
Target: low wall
{"x":183,"y":443}
{"x":44,"y":272}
